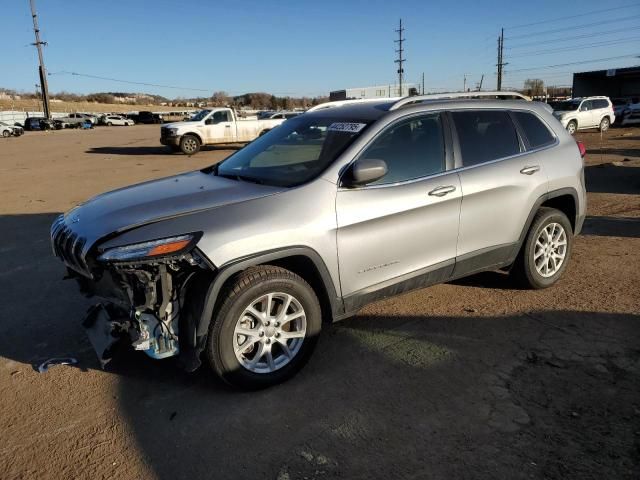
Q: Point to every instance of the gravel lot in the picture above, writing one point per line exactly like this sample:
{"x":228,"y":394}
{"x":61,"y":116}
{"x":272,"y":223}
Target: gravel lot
{"x":473,"y":379}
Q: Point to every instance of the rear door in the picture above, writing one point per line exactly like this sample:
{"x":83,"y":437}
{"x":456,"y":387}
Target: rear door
{"x":403,"y":226}
{"x":500,"y":185}
{"x":587,"y":116}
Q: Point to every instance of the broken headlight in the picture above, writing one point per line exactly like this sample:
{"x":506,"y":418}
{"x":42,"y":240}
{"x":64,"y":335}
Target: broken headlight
{"x":152,"y":249}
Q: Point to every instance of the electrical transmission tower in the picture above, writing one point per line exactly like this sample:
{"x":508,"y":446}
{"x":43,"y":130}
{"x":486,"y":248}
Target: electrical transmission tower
{"x":400,"y":60}
{"x":42,"y":70}
{"x":501,"y":62}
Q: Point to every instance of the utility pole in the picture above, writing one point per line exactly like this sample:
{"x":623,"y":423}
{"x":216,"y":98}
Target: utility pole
{"x":42,"y":70}
{"x":480,"y":84}
{"x":464,"y":82}
{"x":400,"y":61}
{"x":501,"y":62}
{"x":422,"y":83}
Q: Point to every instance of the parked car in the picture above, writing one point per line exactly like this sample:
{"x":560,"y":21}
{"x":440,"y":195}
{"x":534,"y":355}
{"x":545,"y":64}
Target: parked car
{"x":631,"y":115}
{"x":7,"y":130}
{"x":38,"y":123}
{"x":110,"y":120}
{"x":147,"y":117}
{"x":583,"y":113}
{"x":332,"y":210}
{"x":213,"y":127}
{"x":283,"y":115}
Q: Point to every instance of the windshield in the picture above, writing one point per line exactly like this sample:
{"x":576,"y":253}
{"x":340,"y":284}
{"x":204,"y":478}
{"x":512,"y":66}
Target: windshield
{"x":292,"y":153}
{"x":200,"y":115}
{"x":567,"y":106}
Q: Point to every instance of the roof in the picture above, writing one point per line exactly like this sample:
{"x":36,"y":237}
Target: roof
{"x":619,"y":71}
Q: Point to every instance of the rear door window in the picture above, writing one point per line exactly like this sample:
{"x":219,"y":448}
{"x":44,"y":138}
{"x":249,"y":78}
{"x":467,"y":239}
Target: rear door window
{"x":537,"y":133}
{"x":600,"y":104}
{"x":485,"y":135}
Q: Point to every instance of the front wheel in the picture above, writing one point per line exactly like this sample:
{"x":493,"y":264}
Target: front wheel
{"x":189,"y":144}
{"x":6,"y":133}
{"x":266,"y":328}
{"x":572,"y":126}
{"x":605,"y":123}
{"x":109,"y":124}
{"x":546,"y":250}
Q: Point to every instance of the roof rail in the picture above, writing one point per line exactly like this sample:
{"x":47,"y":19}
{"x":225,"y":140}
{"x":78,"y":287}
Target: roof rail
{"x":443,"y":96}
{"x":340,"y":103}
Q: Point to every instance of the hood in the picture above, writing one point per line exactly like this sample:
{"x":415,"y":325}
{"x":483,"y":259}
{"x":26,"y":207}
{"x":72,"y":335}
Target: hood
{"x":153,"y":201}
{"x":188,"y":123}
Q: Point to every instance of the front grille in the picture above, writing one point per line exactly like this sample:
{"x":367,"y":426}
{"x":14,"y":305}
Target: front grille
{"x":68,"y":245}
{"x":164,"y":132}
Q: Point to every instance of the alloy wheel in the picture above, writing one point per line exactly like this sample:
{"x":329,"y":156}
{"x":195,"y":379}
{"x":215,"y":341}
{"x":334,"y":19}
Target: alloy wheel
{"x":550,"y":249}
{"x":269,"y":332}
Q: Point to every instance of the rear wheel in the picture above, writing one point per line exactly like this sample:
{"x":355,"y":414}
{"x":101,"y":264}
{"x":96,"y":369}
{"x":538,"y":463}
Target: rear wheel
{"x":6,"y":133}
{"x":109,"y":124}
{"x":546,"y":250}
{"x":572,"y":126}
{"x":605,"y":123}
{"x":189,"y":144}
{"x":266,"y":328}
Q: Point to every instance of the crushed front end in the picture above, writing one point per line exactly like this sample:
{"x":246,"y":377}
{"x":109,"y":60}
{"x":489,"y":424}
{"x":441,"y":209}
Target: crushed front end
{"x":148,"y":291}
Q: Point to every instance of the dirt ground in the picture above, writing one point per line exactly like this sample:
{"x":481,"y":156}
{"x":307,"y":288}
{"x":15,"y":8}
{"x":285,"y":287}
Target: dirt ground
{"x":470,"y":380}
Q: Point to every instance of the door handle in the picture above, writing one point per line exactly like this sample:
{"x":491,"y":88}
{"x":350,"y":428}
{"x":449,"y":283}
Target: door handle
{"x":530,"y":170}
{"x":442,"y":191}
{"x":227,"y":126}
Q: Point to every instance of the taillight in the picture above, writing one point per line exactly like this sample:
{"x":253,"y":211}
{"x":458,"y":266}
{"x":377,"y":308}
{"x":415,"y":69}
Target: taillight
{"x":583,"y":150}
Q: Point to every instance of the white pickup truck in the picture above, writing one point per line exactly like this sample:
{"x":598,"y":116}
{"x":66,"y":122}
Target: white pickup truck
{"x":213,"y":127}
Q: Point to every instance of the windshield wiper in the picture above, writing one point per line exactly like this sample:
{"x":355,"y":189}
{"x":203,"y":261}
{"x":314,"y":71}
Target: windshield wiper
{"x":243,"y":178}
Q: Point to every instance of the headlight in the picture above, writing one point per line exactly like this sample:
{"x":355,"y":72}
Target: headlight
{"x":152,"y":249}
{"x":173,"y":131}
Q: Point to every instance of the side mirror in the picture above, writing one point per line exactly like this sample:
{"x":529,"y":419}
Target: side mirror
{"x":366,"y":170}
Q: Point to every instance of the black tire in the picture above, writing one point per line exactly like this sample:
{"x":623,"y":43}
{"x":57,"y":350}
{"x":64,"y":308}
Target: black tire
{"x":263,"y":132}
{"x":605,"y":123}
{"x":572,"y":127}
{"x":189,"y":144}
{"x":6,"y":133}
{"x":242,"y":290}
{"x":109,"y":124}
{"x":524,"y":269}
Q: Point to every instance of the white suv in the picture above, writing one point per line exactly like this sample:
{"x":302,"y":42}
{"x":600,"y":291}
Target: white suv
{"x":582,"y":113}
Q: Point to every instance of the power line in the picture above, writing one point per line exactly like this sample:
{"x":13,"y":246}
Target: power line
{"x":568,"y":17}
{"x":573,"y":63}
{"x":576,"y":37}
{"x":129,"y":81}
{"x":574,"y":27}
{"x":576,"y":47}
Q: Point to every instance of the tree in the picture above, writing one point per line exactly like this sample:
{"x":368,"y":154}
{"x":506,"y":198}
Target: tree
{"x":534,"y":87}
{"x":220,"y":99}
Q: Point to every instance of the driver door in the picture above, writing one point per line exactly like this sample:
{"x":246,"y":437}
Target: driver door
{"x":219,"y":127}
{"x":587,"y":114}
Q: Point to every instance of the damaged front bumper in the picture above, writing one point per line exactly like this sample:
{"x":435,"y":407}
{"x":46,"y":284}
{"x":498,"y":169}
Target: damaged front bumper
{"x":154,"y":305}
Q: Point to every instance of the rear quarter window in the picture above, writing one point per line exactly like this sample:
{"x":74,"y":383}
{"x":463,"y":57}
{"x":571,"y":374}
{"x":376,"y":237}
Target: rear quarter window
{"x":536,"y":132}
{"x":600,"y":104}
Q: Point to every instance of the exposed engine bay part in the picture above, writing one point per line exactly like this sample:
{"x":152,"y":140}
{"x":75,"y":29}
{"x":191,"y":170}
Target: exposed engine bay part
{"x":144,"y":303}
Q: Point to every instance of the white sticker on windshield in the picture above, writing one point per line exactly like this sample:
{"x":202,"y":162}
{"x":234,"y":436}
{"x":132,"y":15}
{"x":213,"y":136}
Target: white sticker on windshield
{"x":346,"y":127}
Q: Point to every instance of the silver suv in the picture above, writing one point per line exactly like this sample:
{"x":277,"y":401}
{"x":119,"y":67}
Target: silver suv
{"x":241,"y":262}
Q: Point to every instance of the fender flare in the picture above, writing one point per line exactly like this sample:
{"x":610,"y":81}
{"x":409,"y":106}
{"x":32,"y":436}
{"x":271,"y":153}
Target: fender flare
{"x":195,"y":134}
{"x":231,"y":268}
{"x":536,"y":206}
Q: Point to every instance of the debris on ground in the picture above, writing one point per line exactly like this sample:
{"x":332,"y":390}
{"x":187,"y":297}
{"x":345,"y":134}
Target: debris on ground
{"x":44,"y":366}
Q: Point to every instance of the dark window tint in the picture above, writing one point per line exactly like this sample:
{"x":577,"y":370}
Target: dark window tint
{"x":536,"y":131}
{"x":600,"y":104}
{"x":485,"y":135}
{"x":221,"y":116}
{"x":586,"y":106}
{"x":412,"y":148}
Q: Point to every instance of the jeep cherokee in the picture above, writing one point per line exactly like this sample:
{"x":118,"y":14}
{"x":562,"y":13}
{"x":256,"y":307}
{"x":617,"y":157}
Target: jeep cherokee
{"x":240,"y":262}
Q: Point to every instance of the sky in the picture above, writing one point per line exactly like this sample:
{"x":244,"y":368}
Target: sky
{"x":296,"y":48}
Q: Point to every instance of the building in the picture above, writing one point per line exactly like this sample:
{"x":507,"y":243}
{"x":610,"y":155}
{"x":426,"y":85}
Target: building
{"x":378,"y":91}
{"x":614,"y":82}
